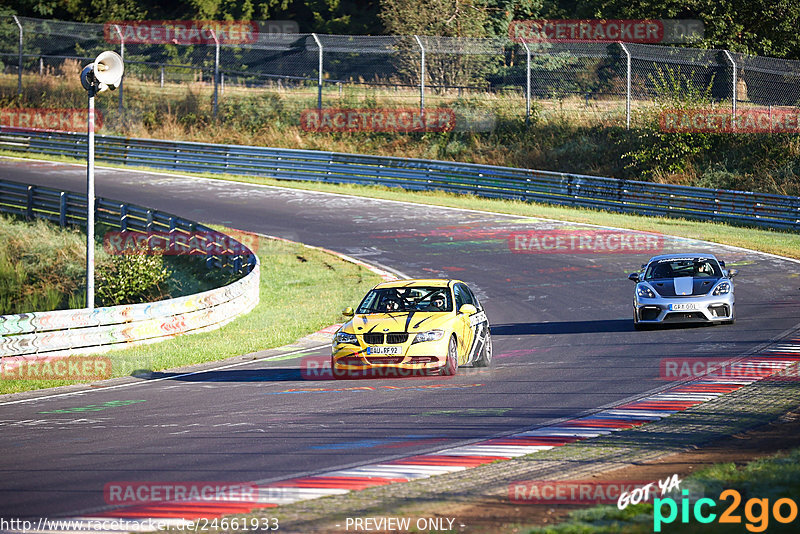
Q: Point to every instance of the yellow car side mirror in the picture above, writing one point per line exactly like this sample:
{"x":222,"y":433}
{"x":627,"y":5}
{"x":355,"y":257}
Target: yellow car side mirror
{"x":348,"y":312}
{"x":469,"y":309}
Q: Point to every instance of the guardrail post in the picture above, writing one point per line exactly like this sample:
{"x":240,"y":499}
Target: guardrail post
{"x":19,"y":69}
{"x":421,"y":76}
{"x":627,"y":86}
{"x":149,"y":220}
{"x":319,"y":71}
{"x":62,"y":209}
{"x":123,"y":217}
{"x":733,"y":86}
{"x":29,"y":205}
{"x":527,"y":82}
{"x":172,"y":227}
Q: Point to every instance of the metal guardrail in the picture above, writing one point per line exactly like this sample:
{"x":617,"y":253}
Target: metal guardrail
{"x":626,"y":196}
{"x":83,"y":330}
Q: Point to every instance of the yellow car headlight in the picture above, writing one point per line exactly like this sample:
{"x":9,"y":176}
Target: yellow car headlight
{"x":344,"y":337}
{"x":430,"y":335}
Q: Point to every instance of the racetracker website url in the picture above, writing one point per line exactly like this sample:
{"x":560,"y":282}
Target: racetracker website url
{"x":253,"y":524}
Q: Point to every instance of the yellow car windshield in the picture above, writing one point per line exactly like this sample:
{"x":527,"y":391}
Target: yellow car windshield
{"x":406,"y":299}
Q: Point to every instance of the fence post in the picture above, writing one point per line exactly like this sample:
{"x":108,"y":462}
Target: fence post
{"x":216,"y":70}
{"x":319,"y":69}
{"x":62,"y":209}
{"x":19,"y":69}
{"x":527,"y":82}
{"x":627,"y":86}
{"x":29,"y":203}
{"x":421,"y":76}
{"x":162,"y":76}
{"x":733,"y":88}
{"x":121,"y":55}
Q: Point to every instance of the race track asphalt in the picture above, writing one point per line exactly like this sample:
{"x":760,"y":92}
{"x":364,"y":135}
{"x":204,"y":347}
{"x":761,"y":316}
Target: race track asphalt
{"x":563,"y":338}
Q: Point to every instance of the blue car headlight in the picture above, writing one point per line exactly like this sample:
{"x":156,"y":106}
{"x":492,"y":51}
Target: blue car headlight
{"x":723,"y":288}
{"x":344,"y":337}
{"x":645,"y":292}
{"x":431,"y":335}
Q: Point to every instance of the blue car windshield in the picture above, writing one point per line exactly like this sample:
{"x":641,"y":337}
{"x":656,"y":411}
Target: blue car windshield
{"x":407,"y":299}
{"x":680,"y":267}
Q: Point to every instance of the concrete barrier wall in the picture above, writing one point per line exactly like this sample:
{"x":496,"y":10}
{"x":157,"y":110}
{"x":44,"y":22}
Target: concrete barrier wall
{"x":64,"y":332}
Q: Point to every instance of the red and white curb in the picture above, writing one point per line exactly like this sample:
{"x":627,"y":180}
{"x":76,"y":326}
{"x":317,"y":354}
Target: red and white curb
{"x":768,"y":362}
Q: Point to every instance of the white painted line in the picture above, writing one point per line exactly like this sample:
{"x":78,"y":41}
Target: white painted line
{"x":131,"y":384}
{"x":686,"y":396}
{"x":288,"y":495}
{"x":373,"y":472}
{"x":493,"y":450}
{"x":637,"y":415}
{"x":560,"y":433}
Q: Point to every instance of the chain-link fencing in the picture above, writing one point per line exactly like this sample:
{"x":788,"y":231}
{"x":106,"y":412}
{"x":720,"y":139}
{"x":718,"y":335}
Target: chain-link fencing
{"x":599,"y":82}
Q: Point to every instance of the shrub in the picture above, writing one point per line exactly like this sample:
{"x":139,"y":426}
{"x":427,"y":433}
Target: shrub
{"x":131,"y":278}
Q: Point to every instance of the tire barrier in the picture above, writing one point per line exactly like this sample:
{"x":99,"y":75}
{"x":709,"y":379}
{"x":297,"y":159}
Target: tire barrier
{"x":64,"y":332}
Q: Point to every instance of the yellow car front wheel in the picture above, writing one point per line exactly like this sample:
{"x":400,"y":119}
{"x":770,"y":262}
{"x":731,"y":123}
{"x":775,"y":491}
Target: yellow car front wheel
{"x":450,"y":366}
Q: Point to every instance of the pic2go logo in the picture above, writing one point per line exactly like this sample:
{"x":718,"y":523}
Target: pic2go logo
{"x":756,"y":511}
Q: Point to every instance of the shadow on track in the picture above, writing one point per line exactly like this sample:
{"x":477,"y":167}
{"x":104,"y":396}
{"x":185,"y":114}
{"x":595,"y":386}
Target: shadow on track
{"x":293,"y":375}
{"x":563,"y":327}
{"x":601,"y":326}
{"x":228,"y":375}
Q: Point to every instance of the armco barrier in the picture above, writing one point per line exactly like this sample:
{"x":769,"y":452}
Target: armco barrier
{"x":83,"y":330}
{"x":738,"y":207}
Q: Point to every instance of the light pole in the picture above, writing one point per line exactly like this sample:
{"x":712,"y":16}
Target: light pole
{"x":104,"y":74}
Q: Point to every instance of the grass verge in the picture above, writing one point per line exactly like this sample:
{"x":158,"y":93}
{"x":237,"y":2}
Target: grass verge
{"x":43,"y":268}
{"x":772,"y":478}
{"x":301,"y":291}
{"x":772,"y":242}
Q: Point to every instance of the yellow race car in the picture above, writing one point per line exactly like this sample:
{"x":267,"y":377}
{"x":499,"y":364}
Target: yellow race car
{"x":410,"y":327}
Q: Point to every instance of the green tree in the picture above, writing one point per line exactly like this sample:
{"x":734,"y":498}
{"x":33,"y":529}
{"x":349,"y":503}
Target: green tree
{"x":502,"y":12}
{"x":447,"y":62}
{"x":760,"y":27}
{"x":445,"y":18}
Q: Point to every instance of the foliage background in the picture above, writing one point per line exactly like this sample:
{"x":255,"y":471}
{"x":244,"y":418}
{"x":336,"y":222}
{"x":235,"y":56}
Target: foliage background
{"x":759,"y":27}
